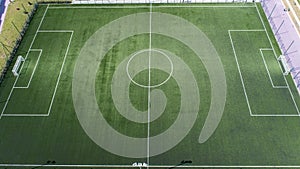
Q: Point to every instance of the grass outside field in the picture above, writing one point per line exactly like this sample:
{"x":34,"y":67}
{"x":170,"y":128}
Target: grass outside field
{"x":240,"y":139}
{"x":9,"y":33}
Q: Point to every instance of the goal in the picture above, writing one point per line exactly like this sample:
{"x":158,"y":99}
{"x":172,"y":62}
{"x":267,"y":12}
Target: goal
{"x":285,"y":65}
{"x":15,"y":69}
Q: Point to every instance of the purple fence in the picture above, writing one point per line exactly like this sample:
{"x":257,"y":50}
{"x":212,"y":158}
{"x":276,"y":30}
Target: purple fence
{"x":3,"y":8}
{"x":286,"y":35}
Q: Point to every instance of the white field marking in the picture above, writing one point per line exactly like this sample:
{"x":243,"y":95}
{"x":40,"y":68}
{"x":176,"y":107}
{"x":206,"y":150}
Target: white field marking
{"x":12,"y":89}
{"x":56,"y":31}
{"x":268,"y":72}
{"x":150,"y":166}
{"x":159,"y":166}
{"x":149,"y":84}
{"x":57,"y":82}
{"x":245,"y":30}
{"x":275,"y":55}
{"x":241,"y":76}
{"x":36,"y":50}
{"x":25,"y":115}
{"x":275,"y":115}
{"x":62,"y":66}
{"x":244,"y":88}
{"x":37,"y":62}
{"x":264,"y":26}
{"x":165,"y":6}
{"x":146,"y":86}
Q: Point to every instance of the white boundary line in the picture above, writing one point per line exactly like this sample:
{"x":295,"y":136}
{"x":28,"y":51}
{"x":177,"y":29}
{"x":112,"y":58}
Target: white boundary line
{"x":133,"y":7}
{"x":267,"y":69}
{"x":262,"y":22}
{"x":57,"y":82}
{"x":25,"y":59}
{"x":37,"y":62}
{"x":150,"y":166}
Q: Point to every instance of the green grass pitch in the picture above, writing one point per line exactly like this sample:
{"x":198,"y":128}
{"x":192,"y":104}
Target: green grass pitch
{"x":39,"y":116}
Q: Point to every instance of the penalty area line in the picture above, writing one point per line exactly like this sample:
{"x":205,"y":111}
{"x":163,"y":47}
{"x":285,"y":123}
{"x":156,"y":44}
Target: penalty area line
{"x":60,"y":72}
{"x":26,"y":115}
{"x":275,"y":55}
{"x":242,"y":79}
{"x":34,"y":37}
{"x":57,"y":82}
{"x":56,"y":31}
{"x":275,"y":115}
{"x":241,"y":76}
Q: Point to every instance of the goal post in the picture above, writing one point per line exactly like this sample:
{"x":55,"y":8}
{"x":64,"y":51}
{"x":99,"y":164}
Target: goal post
{"x":15,"y":69}
{"x":285,"y":65}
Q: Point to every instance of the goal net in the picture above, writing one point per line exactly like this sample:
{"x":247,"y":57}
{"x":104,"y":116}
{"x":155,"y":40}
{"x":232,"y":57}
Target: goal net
{"x":15,"y":69}
{"x":285,"y":65}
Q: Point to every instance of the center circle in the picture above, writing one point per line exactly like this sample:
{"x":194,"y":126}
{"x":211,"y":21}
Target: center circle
{"x":148,"y":59}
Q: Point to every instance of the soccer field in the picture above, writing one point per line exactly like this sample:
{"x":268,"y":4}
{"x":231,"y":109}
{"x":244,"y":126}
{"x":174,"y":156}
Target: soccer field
{"x":110,"y":85}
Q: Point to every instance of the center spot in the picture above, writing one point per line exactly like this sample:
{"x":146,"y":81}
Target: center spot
{"x":149,"y":60}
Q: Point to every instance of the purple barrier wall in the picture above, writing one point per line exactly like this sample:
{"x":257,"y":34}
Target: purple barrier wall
{"x":286,"y":35}
{"x":3,"y":9}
